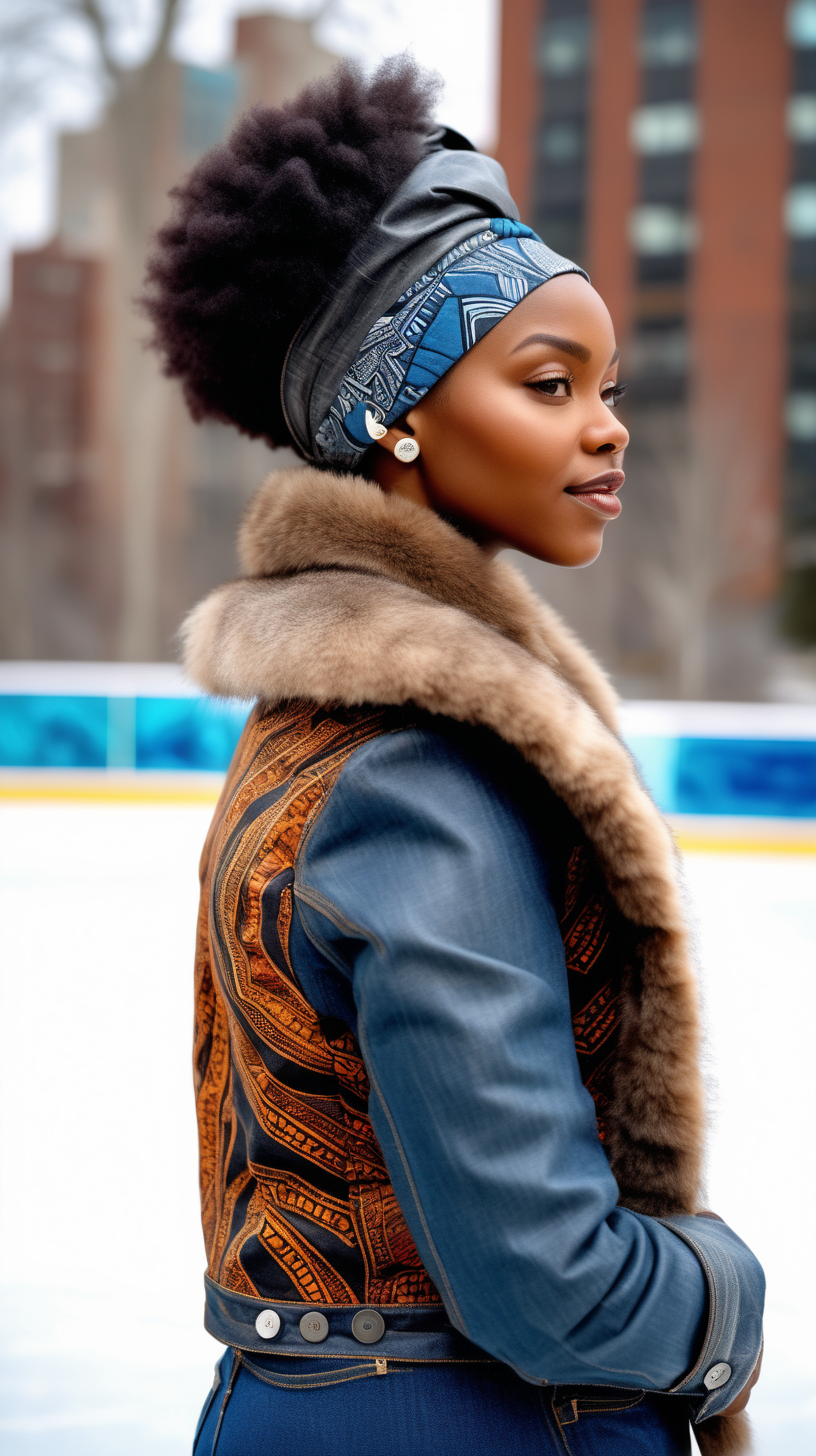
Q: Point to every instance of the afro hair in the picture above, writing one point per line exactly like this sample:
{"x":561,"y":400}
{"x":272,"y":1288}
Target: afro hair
{"x":263,"y":223}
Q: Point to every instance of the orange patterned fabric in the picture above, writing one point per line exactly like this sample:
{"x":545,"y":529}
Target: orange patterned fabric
{"x":295,"y":1195}
{"x":595,"y":946}
{"x":296,"y":1199}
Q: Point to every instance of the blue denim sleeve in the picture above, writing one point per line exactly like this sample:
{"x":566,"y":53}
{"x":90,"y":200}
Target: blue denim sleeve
{"x":736,"y":1297}
{"x":425,"y":904}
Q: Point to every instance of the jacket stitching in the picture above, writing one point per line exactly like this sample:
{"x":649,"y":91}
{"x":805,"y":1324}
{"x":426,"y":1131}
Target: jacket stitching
{"x":712,"y":1305}
{"x":326,"y":907}
{"x":415,"y":1194}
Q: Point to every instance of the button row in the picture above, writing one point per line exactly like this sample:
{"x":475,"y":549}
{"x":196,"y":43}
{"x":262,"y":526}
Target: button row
{"x":367,"y":1326}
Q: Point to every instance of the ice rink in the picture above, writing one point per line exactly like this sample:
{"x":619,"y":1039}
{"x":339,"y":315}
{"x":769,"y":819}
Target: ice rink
{"x":104,"y":1353}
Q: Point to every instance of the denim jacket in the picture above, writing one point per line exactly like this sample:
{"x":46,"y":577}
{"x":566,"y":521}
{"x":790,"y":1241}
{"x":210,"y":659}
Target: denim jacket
{"x":428,"y":927}
{"x":401,"y":1111}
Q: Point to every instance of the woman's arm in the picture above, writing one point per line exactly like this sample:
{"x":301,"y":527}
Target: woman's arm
{"x":423,"y":884}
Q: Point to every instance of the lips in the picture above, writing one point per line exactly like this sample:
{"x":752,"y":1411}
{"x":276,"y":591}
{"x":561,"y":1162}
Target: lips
{"x":600,"y":493}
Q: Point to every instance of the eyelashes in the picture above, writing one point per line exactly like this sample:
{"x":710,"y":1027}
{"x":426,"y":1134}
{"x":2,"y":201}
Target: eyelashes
{"x":549,"y":386}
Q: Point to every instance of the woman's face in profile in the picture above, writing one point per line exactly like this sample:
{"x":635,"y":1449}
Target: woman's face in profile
{"x":519,"y":443}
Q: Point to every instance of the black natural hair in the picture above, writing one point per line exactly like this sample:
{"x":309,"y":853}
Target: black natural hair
{"x":262,"y":224}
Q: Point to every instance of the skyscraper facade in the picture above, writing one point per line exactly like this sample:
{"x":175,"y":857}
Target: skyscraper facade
{"x":670,"y":146}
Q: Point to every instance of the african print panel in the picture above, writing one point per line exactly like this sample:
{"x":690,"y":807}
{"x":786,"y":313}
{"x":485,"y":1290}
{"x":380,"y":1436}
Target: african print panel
{"x":296,"y":1199}
{"x":599,"y":953}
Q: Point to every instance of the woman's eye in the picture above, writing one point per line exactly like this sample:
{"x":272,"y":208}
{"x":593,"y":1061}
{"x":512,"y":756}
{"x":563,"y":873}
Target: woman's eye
{"x":557,"y":387}
{"x":612,"y":394}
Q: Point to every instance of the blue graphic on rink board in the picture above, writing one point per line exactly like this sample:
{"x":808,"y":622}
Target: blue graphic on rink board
{"x":141,"y":733}
{"x":696,"y":758}
{"x":764,"y":777}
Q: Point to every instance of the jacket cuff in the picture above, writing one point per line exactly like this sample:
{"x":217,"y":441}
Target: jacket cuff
{"x":736,"y":1296}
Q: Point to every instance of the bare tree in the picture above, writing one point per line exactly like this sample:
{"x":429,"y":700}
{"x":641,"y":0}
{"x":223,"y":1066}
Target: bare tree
{"x":90,"y":45}
{"x":73,"y":44}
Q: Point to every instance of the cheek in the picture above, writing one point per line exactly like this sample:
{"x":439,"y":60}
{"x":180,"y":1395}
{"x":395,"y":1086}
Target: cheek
{"x":501,"y":460}
{"x":504,"y":432}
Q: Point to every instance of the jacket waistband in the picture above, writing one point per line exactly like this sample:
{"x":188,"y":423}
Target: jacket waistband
{"x":410,"y":1332}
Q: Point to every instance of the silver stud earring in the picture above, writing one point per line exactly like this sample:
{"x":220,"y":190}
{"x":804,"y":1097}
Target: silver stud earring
{"x":406,"y":450}
{"x":375,"y":427}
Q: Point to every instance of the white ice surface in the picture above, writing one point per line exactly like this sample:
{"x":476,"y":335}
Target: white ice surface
{"x":100,"y":1249}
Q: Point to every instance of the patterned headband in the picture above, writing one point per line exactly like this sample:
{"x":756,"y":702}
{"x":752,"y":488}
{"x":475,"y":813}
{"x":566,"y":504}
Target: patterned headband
{"x":433,"y":323}
{"x":448,"y":247}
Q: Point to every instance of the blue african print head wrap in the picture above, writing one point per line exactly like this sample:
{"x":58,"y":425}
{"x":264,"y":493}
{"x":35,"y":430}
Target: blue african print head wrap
{"x":433,"y":323}
{"x":448,"y":248}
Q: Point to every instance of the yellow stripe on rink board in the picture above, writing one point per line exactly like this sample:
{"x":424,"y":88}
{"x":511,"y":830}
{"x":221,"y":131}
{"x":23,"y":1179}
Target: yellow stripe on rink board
{"x":695,"y":834}
{"x":715,"y":834}
{"x":697,"y":844}
{"x":111,"y":787}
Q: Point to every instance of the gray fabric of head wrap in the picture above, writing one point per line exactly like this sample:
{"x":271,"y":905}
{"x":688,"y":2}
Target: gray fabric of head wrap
{"x":444,"y":260}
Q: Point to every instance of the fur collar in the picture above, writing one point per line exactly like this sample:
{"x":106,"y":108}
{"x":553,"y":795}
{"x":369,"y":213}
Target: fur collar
{"x":353,"y":596}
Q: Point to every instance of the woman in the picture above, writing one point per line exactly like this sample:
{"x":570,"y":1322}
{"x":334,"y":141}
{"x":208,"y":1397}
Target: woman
{"x":449,"y":1106}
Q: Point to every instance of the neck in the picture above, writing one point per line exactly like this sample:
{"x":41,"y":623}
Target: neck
{"x":411,"y":483}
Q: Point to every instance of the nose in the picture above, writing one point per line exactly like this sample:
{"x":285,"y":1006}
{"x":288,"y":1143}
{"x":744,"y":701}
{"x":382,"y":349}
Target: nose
{"x":606,"y":434}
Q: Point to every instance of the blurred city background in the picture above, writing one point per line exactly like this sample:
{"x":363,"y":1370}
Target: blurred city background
{"x":670,"y":146}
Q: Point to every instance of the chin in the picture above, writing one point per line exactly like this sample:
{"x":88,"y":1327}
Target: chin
{"x":575,"y":555}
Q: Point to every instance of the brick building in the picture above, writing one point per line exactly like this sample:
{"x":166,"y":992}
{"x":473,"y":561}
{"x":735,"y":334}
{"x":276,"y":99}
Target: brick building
{"x":670,"y":145}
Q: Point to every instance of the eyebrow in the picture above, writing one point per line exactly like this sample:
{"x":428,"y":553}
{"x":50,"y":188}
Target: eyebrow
{"x":567,"y":346}
{"x":615,"y":358}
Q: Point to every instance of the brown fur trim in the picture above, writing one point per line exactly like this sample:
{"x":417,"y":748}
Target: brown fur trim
{"x":352,"y":637}
{"x":725,"y":1436}
{"x":302,"y":518}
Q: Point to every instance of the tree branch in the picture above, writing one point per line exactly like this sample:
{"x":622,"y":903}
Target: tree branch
{"x":161,"y":45}
{"x":95,"y":18}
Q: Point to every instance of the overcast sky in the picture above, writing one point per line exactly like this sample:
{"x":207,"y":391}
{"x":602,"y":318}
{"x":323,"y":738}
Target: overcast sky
{"x":458,"y":38}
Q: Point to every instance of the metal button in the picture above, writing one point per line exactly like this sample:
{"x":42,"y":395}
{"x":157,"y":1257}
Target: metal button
{"x":368,"y":1326}
{"x":268,"y":1323}
{"x":718,"y":1375}
{"x":314,"y":1327}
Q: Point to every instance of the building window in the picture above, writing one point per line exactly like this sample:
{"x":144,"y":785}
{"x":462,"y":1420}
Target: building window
{"x":798,"y":613}
{"x":671,"y":126}
{"x":668,"y":37}
{"x":664,"y":132}
{"x":564,"y":142}
{"x":656,"y":231}
{"x":559,"y":185}
{"x":800,"y":210}
{"x":565,"y":42}
{"x":800,"y":415}
{"x":802,"y":118}
{"x":659,"y":352}
{"x":802,"y":24}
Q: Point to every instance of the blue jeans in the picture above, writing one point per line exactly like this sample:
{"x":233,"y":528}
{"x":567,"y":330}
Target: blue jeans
{"x":267,"y":1406}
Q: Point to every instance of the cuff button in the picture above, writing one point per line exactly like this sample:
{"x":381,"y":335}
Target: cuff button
{"x":268,"y":1323}
{"x":718,"y":1375}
